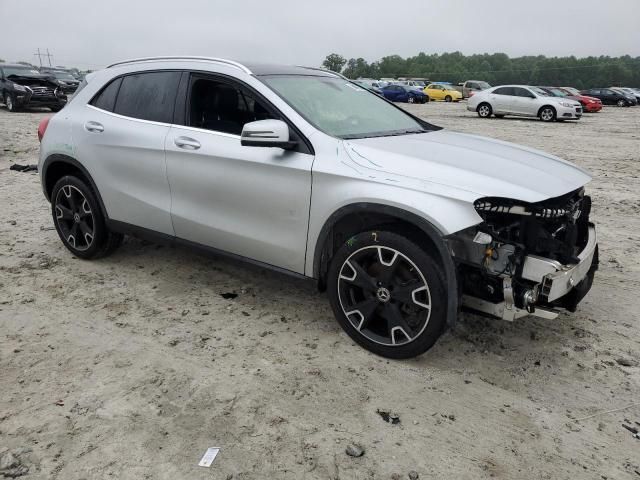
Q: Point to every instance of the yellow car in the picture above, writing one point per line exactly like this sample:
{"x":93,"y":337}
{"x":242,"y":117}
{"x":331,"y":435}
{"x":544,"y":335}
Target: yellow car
{"x":438,"y":91}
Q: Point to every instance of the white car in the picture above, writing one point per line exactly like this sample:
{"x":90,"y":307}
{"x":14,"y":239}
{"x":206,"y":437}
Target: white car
{"x":524,"y":101}
{"x":300,"y":170}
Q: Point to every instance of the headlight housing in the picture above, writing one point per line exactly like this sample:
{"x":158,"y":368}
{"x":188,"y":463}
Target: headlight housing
{"x":568,"y":104}
{"x":19,"y":88}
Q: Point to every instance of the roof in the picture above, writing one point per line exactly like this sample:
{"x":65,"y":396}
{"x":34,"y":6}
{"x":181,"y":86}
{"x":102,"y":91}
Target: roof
{"x":17,"y":65}
{"x":249,"y":68}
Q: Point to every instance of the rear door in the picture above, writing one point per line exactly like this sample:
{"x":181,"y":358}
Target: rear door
{"x":120,"y":138}
{"x":250,"y":201}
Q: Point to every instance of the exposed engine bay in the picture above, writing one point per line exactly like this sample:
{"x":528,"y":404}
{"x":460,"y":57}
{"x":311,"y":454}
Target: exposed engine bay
{"x":527,"y":258}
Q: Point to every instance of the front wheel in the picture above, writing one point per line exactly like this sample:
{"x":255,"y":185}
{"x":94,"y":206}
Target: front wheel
{"x":448,"y":98}
{"x":622,"y":103}
{"x":411,"y":99}
{"x":387,"y":294}
{"x":10,"y":102}
{"x":79,"y":220}
{"x":547,"y":114}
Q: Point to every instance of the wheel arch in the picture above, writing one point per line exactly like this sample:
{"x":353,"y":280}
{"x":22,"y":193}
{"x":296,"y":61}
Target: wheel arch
{"x":57,"y":165}
{"x":357,"y":217}
{"x":547,"y":105}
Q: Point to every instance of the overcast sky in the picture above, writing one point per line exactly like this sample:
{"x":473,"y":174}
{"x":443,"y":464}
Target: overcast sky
{"x":91,"y":34}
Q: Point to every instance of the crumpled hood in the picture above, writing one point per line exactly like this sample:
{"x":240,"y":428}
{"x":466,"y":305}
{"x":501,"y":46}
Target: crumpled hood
{"x":479,"y":166}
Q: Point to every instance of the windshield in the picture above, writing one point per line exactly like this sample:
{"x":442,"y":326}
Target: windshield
{"x":539,"y":91}
{"x":341,"y":108}
{"x":572,"y":90}
{"x":557,"y":92}
{"x":19,"y":71}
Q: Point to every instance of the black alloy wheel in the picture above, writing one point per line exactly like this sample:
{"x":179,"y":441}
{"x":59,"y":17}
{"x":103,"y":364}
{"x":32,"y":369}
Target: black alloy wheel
{"x":387,"y":294}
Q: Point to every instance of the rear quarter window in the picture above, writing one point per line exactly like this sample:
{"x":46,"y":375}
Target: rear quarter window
{"x":106,"y":99}
{"x":148,"y":96}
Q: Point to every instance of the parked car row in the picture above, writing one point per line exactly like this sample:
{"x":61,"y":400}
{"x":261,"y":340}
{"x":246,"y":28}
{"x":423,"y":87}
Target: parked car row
{"x":548,"y":103}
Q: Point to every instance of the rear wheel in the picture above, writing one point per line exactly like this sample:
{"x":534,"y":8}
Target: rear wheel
{"x":79,"y":220}
{"x":411,"y":99}
{"x":621,"y":103}
{"x":387,"y":294}
{"x":448,"y":98}
{"x":547,"y":114}
{"x":484,"y":110}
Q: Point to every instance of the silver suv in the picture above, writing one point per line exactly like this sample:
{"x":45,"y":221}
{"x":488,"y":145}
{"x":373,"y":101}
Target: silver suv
{"x":299,"y":169}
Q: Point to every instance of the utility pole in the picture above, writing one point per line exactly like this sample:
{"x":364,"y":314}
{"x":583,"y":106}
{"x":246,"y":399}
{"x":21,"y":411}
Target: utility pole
{"x":39,"y":55}
{"x":48,"y":57}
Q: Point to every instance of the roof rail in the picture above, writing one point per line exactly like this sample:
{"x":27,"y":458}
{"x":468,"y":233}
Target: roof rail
{"x":178,"y":57}
{"x":325,"y":70}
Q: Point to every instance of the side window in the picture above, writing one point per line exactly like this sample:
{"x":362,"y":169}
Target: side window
{"x":607,"y":92}
{"x":503,"y":91}
{"x":594,"y":92}
{"x":148,"y":96}
{"x":222,"y":107}
{"x":522,"y":92}
{"x":106,"y":99}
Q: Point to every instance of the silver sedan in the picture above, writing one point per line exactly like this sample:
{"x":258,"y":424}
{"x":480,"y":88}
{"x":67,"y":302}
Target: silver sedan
{"x":523,"y":100}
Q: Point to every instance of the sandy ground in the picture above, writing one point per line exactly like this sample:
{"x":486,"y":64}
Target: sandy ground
{"x":132,"y":366}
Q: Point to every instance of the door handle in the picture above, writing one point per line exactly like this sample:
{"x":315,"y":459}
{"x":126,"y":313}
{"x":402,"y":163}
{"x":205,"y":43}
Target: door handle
{"x":94,"y":127}
{"x":187,"y":143}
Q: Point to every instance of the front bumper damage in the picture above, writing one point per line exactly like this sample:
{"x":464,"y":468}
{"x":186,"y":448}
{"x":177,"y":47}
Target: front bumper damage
{"x":556,"y":286}
{"x":527,"y":259}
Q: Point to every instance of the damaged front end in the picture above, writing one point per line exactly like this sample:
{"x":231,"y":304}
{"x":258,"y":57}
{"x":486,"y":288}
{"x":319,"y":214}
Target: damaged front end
{"x":37,"y":91}
{"x":527,"y":258}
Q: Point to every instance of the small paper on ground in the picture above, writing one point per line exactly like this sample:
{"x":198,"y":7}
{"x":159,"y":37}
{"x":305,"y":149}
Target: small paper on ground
{"x":209,"y":456}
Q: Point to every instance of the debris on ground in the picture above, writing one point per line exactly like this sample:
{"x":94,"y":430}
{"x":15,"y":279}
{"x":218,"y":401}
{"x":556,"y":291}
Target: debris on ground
{"x":627,"y":362}
{"x":413,"y":475}
{"x":388,"y":417}
{"x":11,"y":466}
{"x":23,"y":168}
{"x":354,"y":450}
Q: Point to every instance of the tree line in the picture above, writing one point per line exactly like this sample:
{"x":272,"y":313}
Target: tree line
{"x":496,"y":68}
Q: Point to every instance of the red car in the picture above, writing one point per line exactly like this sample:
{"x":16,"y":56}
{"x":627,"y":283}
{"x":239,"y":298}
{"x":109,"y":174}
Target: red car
{"x":589,"y":104}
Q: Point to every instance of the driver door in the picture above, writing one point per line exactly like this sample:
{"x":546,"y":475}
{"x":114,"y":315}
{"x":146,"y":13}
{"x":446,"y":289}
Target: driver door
{"x":246,"y":200}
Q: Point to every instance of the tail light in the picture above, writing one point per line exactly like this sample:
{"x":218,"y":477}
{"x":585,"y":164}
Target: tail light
{"x":471,"y":94}
{"x":42,"y":127}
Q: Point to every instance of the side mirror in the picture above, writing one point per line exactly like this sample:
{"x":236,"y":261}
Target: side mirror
{"x":266,"y":133}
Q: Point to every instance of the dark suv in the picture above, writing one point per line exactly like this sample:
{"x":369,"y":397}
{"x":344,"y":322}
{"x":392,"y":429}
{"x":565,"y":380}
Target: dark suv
{"x":65,"y":80}
{"x":610,"y":96}
{"x":22,"y":86}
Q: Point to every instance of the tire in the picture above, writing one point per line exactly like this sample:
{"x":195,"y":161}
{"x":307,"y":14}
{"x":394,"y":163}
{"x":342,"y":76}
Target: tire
{"x":426,"y":99}
{"x":55,"y":109}
{"x":411,"y":99}
{"x":10,"y":102}
{"x":621,"y":103}
{"x":387,"y":294}
{"x":547,"y":114}
{"x":79,"y":220}
{"x":448,"y":98}
{"x":484,"y":110}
